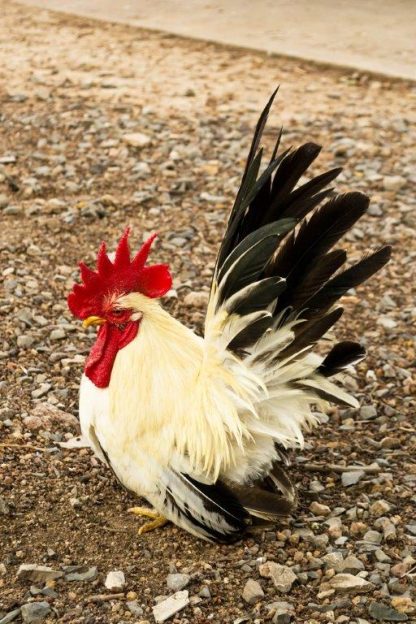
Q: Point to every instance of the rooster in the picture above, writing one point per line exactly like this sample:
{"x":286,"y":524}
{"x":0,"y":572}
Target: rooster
{"x":201,"y":426}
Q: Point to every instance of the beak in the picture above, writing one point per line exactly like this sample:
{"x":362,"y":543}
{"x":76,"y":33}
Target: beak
{"x":93,"y":320}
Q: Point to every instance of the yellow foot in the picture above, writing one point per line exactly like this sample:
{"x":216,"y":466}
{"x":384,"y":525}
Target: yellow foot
{"x":157,"y":519}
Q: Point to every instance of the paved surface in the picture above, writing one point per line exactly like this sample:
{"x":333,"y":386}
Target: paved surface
{"x":374,"y":35}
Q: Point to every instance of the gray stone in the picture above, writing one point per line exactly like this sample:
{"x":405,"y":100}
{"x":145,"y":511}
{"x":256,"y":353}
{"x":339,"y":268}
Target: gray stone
{"x":178,"y":241}
{"x":375,"y":211}
{"x":381,"y":556}
{"x":41,"y":391}
{"x":178,"y":581}
{"x":411,"y":528}
{"x":383,"y":613}
{"x":25,"y":341}
{"x":372,"y":536}
{"x":12,"y":210}
{"x":35,"y":612}
{"x":283,"y":612}
{"x":252,"y":592}
{"x":367,"y":412}
{"x":205,"y":592}
{"x":44,"y":170}
{"x":351,"y":478}
{"x":166,"y":608}
{"x":57,"y":334}
{"x":282,"y":576}
{"x":334,"y":560}
{"x":386,"y":322}
{"x":141,"y":170}
{"x":134,"y":607}
{"x":37,"y":573}
{"x":388,"y":528}
{"x":348,"y":583}
{"x":82,"y":575}
{"x":115,"y":580}
{"x":352,"y":564}
{"x":316,"y":486}
{"x":9,"y":617}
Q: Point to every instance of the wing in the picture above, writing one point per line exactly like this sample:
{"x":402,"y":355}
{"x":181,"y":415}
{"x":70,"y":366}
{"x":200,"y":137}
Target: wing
{"x":210,"y":511}
{"x":274,"y":296}
{"x":220,"y":511}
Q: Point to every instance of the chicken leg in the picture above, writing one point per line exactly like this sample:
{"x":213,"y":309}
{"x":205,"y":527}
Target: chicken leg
{"x":157,"y":519}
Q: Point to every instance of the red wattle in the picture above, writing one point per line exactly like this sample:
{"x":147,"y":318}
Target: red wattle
{"x":110,"y":339}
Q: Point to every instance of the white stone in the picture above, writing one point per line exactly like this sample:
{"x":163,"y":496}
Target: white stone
{"x":137,"y":139}
{"x":352,"y":477}
{"x":178,"y":581}
{"x":282,"y":576}
{"x":252,"y":592}
{"x":319,"y":510}
{"x":57,"y":334}
{"x":386,"y":322}
{"x":115,"y":580}
{"x":334,"y":560}
{"x":393,"y":183}
{"x":348,"y":583}
{"x":165,"y":609}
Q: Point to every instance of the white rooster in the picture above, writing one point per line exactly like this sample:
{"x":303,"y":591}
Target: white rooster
{"x":200,"y":426}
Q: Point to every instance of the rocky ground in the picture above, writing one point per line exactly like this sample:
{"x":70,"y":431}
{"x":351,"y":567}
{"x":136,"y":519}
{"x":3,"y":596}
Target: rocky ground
{"x":102,"y":126}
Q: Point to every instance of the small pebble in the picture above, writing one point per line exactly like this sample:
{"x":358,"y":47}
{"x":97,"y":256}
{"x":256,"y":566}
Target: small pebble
{"x":177,"y":581}
{"x":252,"y":592}
{"x":115,"y":580}
{"x":35,"y":612}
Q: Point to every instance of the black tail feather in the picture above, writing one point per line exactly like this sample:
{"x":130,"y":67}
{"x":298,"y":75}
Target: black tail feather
{"x":313,"y":280}
{"x":310,"y":332}
{"x":341,"y":355}
{"x":270,"y":498}
{"x":350,"y":278}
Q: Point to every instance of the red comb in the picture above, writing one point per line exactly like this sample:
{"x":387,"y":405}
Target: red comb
{"x":122,"y":276}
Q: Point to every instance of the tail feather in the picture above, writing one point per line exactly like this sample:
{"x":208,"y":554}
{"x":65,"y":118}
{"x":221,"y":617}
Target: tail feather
{"x":292,"y":205}
{"x":290,"y":170}
{"x":317,"y":236}
{"x":263,"y":504}
{"x":350,"y":278}
{"x":313,"y":281}
{"x":341,"y":356}
{"x":269,"y":498}
{"x":278,"y":277}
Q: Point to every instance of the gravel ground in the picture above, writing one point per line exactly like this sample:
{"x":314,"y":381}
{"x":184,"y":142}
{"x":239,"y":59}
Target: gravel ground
{"x":103,"y":125}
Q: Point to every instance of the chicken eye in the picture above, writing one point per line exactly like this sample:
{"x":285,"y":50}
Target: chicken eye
{"x":117,"y":312}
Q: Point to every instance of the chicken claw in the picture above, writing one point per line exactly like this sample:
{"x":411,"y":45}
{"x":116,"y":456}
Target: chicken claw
{"x":157,"y":519}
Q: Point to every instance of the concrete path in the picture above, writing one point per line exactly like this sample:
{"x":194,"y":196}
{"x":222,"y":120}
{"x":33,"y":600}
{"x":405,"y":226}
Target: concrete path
{"x":372,"y":35}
